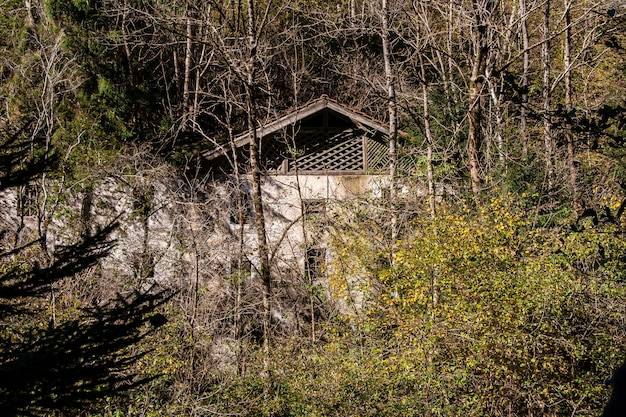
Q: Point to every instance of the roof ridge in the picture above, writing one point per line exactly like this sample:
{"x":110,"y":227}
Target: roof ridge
{"x":296,"y":109}
{"x":349,"y":108}
{"x":323,"y":97}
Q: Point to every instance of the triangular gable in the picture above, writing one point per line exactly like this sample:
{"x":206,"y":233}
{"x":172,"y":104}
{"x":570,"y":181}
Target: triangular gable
{"x":359,"y":119}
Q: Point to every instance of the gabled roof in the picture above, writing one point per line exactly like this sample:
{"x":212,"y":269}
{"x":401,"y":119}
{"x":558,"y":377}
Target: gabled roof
{"x":316,"y":106}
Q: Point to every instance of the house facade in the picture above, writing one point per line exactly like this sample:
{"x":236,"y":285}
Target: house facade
{"x":313,"y":159}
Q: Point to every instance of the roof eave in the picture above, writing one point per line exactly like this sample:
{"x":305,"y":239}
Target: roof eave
{"x":275,"y":125}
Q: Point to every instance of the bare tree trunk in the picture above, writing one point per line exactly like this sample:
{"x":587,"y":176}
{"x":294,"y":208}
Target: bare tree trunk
{"x":127,"y":51}
{"x":257,"y":199}
{"x":569,"y":137}
{"x":203,"y":64}
{"x":500,"y":50}
{"x":306,"y":239}
{"x":30,"y":20}
{"x":392,"y":111}
{"x":474,"y":134}
{"x":298,"y":66}
{"x":187,"y":79}
{"x":429,"y":140}
{"x":237,"y":327}
{"x":547,"y":94}
{"x":474,"y":116}
{"x":524,"y":81}
{"x":497,"y":109}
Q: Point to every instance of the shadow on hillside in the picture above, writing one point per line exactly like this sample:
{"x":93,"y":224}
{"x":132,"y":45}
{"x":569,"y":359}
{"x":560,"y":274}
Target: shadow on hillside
{"x":18,"y":163}
{"x":66,"y":364}
{"x":69,"y":366}
{"x":616,"y":407}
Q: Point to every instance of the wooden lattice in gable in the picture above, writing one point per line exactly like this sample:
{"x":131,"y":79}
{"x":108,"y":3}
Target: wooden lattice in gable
{"x":377,"y":155}
{"x":327,"y":150}
{"x":340,"y":152}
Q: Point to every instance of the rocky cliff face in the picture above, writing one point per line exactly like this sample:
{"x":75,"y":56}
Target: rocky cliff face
{"x":157,"y":224}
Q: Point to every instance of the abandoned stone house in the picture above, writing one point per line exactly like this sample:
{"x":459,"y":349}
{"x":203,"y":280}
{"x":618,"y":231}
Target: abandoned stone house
{"x":312,"y":158}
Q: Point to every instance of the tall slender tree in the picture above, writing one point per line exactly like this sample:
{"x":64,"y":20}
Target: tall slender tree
{"x":392,"y":106}
{"x":546,"y":92}
{"x":480,"y":12}
{"x":569,"y":135}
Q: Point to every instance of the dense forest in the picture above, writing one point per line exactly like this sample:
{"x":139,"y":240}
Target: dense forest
{"x":498,"y":290}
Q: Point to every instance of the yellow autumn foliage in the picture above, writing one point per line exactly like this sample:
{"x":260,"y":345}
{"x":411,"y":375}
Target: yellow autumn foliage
{"x":503,"y":309}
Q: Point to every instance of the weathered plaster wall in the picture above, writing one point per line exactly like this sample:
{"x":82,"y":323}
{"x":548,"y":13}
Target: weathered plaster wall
{"x":155,"y":218}
{"x":283,"y":196}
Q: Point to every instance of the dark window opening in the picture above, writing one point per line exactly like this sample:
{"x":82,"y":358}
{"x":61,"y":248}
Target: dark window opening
{"x":315,"y":262}
{"x":314,"y":210}
{"x":27,"y":201}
